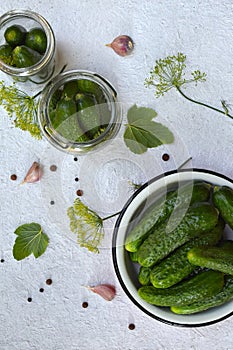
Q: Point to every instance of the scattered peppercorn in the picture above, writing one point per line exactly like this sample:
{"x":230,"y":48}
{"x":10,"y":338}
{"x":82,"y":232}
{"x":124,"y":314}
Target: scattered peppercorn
{"x":75,"y":159}
{"x":29,"y":300}
{"x":49,"y":281}
{"x":79,"y":193}
{"x":41,"y":290}
{"x":85,"y":304}
{"x":13,"y":177}
{"x":76,"y":179}
{"x":52,"y":202}
{"x":2,"y":260}
{"x":131,"y":326}
{"x":53,"y":167}
{"x":165,"y":157}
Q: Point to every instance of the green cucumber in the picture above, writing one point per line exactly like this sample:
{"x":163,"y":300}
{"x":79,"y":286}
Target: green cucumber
{"x":23,"y":56}
{"x":176,"y":266}
{"x":133,"y":256}
{"x":65,"y":107}
{"x":65,"y":121}
{"x":198,"y":219}
{"x":215,"y":258}
{"x":15,"y":35}
{"x":36,"y":39}
{"x":144,"y":276}
{"x":218,"y":299}
{"x":88,"y":114}
{"x":223,"y":200}
{"x":56,"y":96}
{"x":90,"y":87}
{"x":6,"y":54}
{"x":161,"y":209}
{"x":203,"y":285}
{"x":70,"y":89}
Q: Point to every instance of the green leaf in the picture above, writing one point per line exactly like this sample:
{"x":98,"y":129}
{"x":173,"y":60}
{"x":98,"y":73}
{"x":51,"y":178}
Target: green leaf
{"x":142,"y":132}
{"x":132,"y":141}
{"x":30,"y":240}
{"x":136,"y":114}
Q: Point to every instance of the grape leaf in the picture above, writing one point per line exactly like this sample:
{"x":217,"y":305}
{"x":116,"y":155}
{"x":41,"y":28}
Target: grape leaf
{"x":142,"y":132}
{"x":31,"y":239}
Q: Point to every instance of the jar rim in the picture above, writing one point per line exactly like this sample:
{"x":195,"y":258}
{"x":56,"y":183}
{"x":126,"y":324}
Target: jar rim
{"x":43,"y":110}
{"x":47,"y":56}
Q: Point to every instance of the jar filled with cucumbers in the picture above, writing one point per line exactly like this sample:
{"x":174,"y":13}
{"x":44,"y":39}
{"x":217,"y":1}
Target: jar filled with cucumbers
{"x":27,"y":46}
{"x":78,"y":111}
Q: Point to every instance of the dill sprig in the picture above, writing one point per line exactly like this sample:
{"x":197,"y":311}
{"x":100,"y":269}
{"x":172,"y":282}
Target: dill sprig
{"x":87,"y":225}
{"x":169,"y":73}
{"x":20,"y":107}
{"x":134,"y":186}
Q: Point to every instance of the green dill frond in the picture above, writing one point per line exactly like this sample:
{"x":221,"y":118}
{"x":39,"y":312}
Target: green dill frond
{"x":20,"y":107}
{"x":134,"y":186}
{"x":169,"y":72}
{"x":87,"y":225}
{"x":198,"y":76}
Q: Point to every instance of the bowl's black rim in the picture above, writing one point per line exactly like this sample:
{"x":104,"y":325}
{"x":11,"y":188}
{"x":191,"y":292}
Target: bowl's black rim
{"x":185,"y":325}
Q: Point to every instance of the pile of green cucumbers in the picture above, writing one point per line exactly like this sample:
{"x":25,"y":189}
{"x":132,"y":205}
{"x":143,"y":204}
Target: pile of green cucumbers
{"x":23,"y":48}
{"x":79,"y":110}
{"x":185,"y":262}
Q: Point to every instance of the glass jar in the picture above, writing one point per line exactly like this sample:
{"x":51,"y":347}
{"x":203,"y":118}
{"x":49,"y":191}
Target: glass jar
{"x":42,"y":70}
{"x":61,"y":138}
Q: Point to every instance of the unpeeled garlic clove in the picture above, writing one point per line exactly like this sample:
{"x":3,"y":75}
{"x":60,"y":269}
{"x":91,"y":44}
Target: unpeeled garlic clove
{"x":123,"y":45}
{"x":34,"y":174}
{"x":106,"y":291}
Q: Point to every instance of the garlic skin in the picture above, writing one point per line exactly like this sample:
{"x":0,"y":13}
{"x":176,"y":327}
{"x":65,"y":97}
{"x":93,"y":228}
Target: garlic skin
{"x":34,"y":174}
{"x":106,"y":291}
{"x":123,"y":45}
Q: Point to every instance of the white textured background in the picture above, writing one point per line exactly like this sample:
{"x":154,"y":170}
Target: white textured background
{"x":55,"y":319}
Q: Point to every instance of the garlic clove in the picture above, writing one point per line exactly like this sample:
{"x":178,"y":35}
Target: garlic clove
{"x":34,"y":174}
{"x":106,"y":291}
{"x":123,"y":45}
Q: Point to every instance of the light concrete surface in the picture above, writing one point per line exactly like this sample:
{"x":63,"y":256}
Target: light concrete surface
{"x":55,"y":319}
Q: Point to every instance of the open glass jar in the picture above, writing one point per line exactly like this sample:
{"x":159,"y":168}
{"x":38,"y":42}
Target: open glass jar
{"x":25,"y":62}
{"x":78,"y":111}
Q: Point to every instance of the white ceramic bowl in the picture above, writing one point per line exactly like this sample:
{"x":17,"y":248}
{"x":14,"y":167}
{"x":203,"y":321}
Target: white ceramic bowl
{"x":127,"y":271}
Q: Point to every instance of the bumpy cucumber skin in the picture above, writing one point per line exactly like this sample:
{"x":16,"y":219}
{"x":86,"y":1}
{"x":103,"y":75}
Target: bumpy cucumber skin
{"x":218,"y":299}
{"x":23,"y":56}
{"x":160,"y":211}
{"x":215,"y":258}
{"x":203,"y":285}
{"x":36,"y":39}
{"x":15,"y":35}
{"x":155,"y":215}
{"x":223,"y":200}
{"x":144,"y":276}
{"x":201,"y":218}
{"x":6,"y":54}
{"x":176,"y":266}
